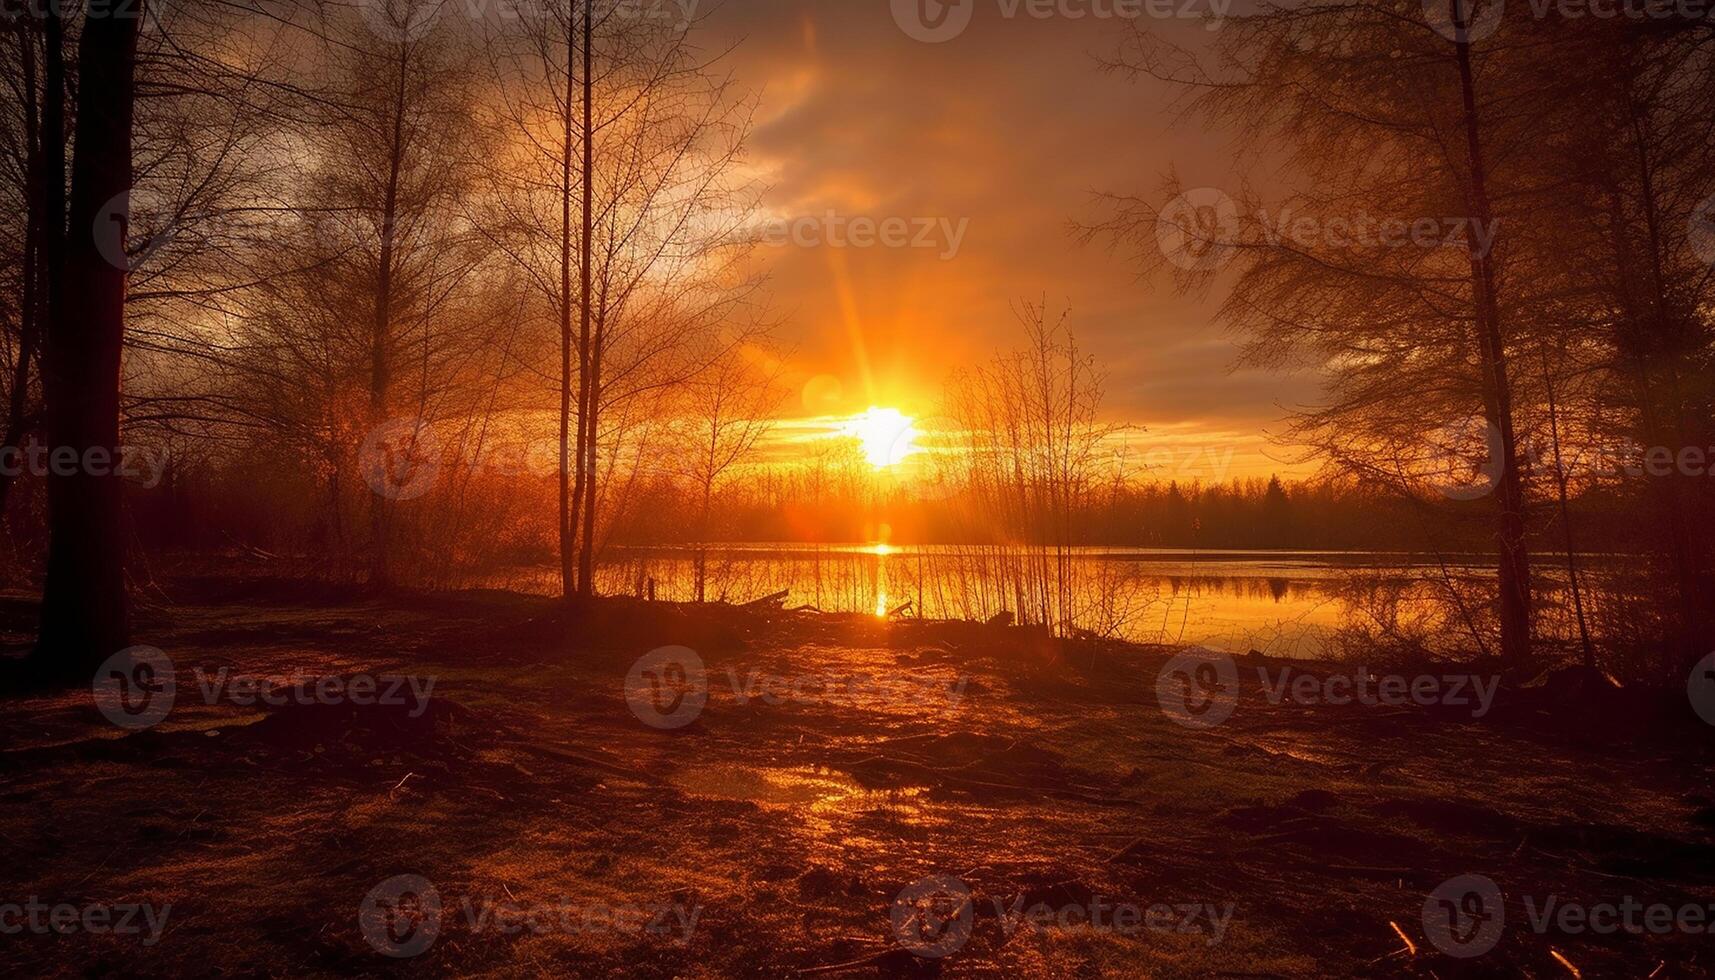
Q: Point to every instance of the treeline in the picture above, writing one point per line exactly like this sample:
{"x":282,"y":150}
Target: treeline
{"x":1493,"y":243}
{"x":334,"y":276}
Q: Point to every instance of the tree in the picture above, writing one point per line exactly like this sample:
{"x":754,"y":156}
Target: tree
{"x":731,"y":409}
{"x":1388,"y":121}
{"x":84,"y":606}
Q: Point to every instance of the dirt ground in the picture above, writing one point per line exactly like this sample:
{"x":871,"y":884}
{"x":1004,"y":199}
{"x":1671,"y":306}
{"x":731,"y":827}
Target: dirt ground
{"x":837,"y":762}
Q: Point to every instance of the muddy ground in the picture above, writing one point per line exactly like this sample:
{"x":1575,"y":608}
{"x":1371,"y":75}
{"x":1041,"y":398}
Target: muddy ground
{"x":837,"y":762}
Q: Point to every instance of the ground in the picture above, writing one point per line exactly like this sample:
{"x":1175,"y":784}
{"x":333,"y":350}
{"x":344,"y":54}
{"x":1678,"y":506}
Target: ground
{"x":774,"y":833}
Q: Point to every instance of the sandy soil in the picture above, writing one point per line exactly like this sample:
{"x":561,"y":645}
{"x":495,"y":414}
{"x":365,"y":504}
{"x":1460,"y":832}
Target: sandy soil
{"x":837,"y":762}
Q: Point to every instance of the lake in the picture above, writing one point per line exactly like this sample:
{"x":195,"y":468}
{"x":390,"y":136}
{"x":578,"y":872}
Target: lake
{"x":1281,"y":603}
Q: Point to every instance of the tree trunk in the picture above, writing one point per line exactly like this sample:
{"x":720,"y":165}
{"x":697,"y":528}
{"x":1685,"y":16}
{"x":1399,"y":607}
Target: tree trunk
{"x":1514,"y":572}
{"x":30,"y":305}
{"x":380,"y":572}
{"x":589,"y":380}
{"x":84,"y":616}
{"x":570,"y":494}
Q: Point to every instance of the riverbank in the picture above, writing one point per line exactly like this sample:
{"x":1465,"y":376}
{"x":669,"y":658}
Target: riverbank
{"x":569,"y":803}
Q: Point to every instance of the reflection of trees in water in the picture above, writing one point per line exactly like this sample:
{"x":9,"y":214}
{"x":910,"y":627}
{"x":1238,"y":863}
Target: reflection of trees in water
{"x":1126,"y":598}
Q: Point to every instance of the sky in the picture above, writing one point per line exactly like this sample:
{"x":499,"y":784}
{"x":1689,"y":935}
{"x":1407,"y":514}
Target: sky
{"x":976,"y":157}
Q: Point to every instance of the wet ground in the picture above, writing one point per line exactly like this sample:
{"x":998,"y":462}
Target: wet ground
{"x":780,"y":795}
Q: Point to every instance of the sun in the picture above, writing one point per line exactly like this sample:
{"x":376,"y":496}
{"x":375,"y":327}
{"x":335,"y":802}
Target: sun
{"x":887,"y":435}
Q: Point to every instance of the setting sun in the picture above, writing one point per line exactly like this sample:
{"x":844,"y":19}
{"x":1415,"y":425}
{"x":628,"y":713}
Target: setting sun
{"x":887,"y":434}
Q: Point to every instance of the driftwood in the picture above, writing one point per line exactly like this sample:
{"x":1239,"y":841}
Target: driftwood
{"x":776,"y":599}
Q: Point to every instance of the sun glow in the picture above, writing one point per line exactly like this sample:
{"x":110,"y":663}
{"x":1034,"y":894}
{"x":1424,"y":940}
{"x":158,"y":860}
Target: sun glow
{"x":888,"y":435}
